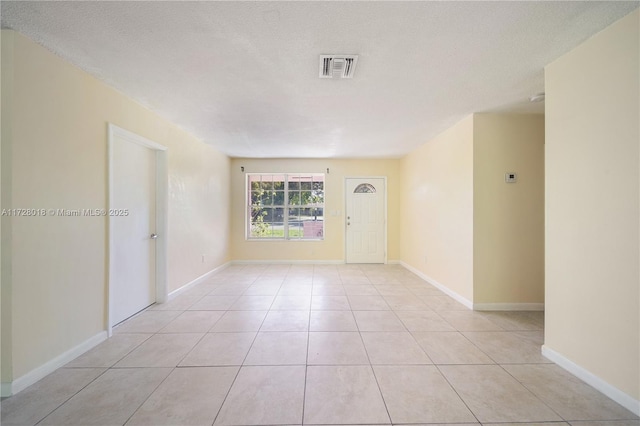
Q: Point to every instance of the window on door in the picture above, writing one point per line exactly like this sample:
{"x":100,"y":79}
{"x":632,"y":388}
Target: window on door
{"x":285,"y":206}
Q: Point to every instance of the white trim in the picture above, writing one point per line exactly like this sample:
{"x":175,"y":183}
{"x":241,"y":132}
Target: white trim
{"x":162,"y":224}
{"x":284,"y":262}
{"x":508,"y":306}
{"x":247,"y":220}
{"x":300,"y":262}
{"x":198,"y":280}
{"x":5,"y":389}
{"x":52,"y":365}
{"x":475,"y":306}
{"x":466,"y":302}
{"x":346,"y":195}
{"x":246,"y":204}
{"x":162,"y":203}
{"x":627,"y":401}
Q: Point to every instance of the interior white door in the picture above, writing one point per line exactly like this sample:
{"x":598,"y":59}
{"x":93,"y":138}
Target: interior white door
{"x":365,"y":220}
{"x":133,"y":258}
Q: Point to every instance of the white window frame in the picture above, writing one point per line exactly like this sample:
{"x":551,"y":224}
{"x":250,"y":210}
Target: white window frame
{"x":285,"y":207}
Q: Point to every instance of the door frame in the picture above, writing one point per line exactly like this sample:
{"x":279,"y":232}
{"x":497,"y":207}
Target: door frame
{"x":346,"y":195}
{"x":162,"y":204}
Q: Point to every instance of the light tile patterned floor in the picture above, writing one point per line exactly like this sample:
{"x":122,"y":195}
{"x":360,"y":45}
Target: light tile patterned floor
{"x":303,"y":344}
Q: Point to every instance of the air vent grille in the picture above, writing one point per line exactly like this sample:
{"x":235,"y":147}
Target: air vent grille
{"x":338,"y":66}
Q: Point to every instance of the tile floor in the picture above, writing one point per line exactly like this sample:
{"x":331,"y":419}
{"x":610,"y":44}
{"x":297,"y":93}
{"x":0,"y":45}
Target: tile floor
{"x":293,"y":345}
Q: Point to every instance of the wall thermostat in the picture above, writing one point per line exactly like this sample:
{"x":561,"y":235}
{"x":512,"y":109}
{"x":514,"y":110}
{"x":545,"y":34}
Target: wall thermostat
{"x":510,"y":177}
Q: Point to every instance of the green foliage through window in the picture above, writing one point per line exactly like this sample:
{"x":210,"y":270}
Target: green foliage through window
{"x":285,"y":206}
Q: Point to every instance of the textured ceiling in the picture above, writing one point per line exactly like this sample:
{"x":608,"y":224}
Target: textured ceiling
{"x":243,"y":76}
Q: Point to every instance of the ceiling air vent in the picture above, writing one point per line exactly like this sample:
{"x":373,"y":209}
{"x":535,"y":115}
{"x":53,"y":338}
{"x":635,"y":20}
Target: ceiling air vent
{"x":337,"y":66}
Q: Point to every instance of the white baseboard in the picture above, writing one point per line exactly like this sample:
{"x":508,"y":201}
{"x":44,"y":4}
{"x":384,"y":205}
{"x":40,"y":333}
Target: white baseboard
{"x":198,"y":280}
{"x":475,"y":306}
{"x":591,"y":379}
{"x":285,"y":262}
{"x":50,"y":366}
{"x":508,"y":306}
{"x":466,"y":302}
{"x":300,"y":262}
{"x":5,"y":389}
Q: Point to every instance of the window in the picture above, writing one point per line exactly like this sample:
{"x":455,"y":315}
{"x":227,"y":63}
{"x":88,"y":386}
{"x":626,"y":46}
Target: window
{"x":285,"y":206}
{"x":365,"y":188}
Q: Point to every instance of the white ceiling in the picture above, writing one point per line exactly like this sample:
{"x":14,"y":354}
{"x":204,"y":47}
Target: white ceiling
{"x":243,"y":76}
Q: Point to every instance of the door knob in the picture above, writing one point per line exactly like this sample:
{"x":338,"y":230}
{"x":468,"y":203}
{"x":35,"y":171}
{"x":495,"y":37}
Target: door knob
{"x":154,"y":236}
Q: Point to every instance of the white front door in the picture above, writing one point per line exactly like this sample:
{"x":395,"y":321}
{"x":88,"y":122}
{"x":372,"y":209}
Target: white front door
{"x":132,"y":223}
{"x":365,"y":220}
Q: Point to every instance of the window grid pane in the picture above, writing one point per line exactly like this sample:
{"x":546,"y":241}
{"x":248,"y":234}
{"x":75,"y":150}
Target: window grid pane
{"x":303,"y":200}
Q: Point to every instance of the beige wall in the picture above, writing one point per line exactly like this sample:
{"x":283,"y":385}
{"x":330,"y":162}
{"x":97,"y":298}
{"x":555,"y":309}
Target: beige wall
{"x":333,"y":245}
{"x":462,"y":226}
{"x":436,"y":205}
{"x":56,"y":150}
{"x":592,"y":198}
{"x":199,"y":216}
{"x":508,"y":219}
{"x":6,"y":93}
